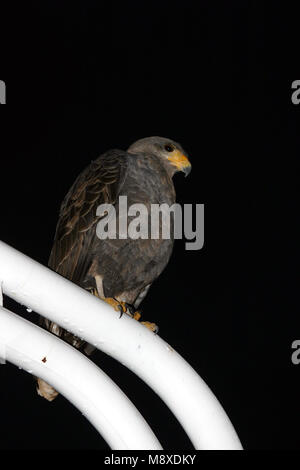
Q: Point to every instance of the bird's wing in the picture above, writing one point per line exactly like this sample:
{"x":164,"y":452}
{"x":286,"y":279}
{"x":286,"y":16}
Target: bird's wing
{"x":99,"y":183}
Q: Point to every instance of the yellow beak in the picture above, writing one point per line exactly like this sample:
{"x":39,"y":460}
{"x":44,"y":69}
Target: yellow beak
{"x":180,"y":161}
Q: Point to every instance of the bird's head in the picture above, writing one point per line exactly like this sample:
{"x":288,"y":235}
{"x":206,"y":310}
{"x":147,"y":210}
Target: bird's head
{"x":170,"y":152}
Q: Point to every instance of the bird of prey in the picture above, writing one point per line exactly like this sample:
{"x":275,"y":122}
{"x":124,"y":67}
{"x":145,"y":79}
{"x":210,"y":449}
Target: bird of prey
{"x":119,"y":271}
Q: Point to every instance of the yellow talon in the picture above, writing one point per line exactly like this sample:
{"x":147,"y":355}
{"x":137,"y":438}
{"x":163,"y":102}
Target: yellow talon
{"x":122,"y":307}
{"x":151,"y":326}
{"x":116,"y":304}
{"x":136,"y":316}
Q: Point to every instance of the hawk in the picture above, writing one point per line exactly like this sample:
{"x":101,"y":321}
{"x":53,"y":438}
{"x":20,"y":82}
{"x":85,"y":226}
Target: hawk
{"x":119,"y":271}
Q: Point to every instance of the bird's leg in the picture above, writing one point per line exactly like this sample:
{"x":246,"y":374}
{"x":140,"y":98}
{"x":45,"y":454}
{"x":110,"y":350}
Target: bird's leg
{"x":116,"y":304}
{"x":124,"y":307}
{"x":98,"y":291}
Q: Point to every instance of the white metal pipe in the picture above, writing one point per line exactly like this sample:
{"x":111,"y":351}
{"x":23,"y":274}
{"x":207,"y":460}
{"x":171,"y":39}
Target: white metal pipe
{"x":125,"y":339}
{"x":78,"y":379}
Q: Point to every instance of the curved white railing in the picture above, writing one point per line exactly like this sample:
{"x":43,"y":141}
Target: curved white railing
{"x":78,"y":379}
{"x":146,"y":354}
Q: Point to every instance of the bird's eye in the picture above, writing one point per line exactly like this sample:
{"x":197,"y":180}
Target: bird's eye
{"x":169,"y":148}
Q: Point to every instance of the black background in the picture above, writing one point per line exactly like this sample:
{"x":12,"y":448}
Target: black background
{"x":84,"y":77}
